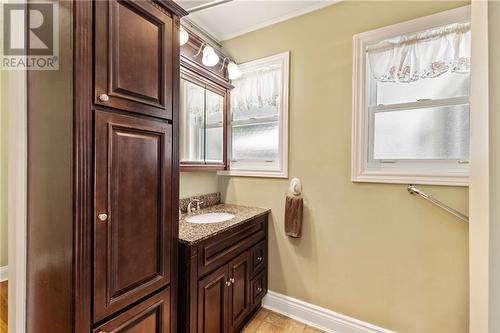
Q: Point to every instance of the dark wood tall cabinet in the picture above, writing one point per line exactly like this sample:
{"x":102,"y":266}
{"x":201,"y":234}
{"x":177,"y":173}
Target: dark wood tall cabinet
{"x":105,"y":260}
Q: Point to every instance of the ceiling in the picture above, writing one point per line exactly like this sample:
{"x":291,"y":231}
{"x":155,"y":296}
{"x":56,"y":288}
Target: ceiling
{"x":237,"y":17}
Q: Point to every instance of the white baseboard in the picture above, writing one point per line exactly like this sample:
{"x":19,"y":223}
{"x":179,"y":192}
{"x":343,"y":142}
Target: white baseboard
{"x":316,"y":316}
{"x":4,"y":273}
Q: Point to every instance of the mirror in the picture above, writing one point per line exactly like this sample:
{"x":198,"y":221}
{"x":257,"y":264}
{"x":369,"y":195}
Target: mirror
{"x":192,"y":109}
{"x":214,"y":126}
{"x":202,"y":124}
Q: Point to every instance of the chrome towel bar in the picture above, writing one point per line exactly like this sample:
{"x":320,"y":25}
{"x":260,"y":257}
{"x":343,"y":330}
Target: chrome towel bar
{"x":412,"y":189}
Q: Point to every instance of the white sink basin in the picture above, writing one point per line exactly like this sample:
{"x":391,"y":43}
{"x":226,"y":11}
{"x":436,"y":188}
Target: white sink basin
{"x":210,"y":218}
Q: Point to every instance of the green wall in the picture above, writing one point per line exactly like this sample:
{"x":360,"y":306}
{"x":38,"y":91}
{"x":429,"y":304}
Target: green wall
{"x":370,"y":251}
{"x":196,"y":183}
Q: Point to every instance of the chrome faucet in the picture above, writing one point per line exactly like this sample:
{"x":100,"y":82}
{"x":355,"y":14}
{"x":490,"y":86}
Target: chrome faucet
{"x":198,"y":203}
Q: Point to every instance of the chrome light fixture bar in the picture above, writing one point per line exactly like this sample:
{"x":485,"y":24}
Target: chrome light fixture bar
{"x":207,"y":5}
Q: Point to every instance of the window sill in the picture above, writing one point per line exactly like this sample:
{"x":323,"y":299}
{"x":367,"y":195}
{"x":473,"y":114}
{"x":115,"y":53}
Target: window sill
{"x":246,"y":173}
{"x":448,"y":179}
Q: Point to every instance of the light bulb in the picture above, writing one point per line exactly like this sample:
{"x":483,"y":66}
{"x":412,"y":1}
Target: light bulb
{"x":233,"y":71}
{"x":183,"y":36}
{"x":210,"y":58}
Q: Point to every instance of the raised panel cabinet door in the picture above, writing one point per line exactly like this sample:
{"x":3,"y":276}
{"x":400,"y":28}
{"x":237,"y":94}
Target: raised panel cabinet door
{"x":239,"y":292}
{"x":133,"y":57}
{"x":150,"y":316}
{"x":212,"y":302}
{"x":133,"y":218}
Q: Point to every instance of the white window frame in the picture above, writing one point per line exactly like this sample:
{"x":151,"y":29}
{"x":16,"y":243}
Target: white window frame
{"x":261,"y":168}
{"x":417,"y":172}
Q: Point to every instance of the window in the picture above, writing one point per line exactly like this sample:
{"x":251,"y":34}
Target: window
{"x":258,"y":129}
{"x":411,"y":101}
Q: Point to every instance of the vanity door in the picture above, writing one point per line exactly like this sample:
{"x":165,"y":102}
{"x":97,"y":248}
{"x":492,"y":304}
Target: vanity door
{"x":213,"y":302}
{"x":239,"y":298}
{"x":133,"y":57}
{"x":133,"y":216}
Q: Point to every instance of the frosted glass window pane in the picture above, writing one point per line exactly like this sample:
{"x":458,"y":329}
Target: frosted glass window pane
{"x":192,"y":106}
{"x":447,"y":85}
{"x":255,"y":142}
{"x":431,"y":133}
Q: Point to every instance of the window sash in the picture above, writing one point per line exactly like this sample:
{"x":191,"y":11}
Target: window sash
{"x":255,"y":121}
{"x":370,"y":111}
{"x":397,"y":163}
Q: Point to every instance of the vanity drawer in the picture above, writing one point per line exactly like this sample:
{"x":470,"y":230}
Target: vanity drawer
{"x":258,"y":257}
{"x":258,"y":288}
{"x":214,"y":252}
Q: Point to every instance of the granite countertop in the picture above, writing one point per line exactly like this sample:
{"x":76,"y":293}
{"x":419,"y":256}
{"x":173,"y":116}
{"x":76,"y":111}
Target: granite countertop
{"x":191,"y":233}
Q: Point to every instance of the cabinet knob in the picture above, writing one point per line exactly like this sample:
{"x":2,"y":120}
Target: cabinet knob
{"x":259,"y":259}
{"x":228,"y":284}
{"x":259,"y":289}
{"x":231,"y":280}
{"x":103,"y":97}
{"x":103,"y":217}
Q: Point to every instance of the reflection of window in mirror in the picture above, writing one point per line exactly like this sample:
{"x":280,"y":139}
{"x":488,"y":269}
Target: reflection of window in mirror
{"x":411,"y":101}
{"x":192,"y":106}
{"x":214,"y":123}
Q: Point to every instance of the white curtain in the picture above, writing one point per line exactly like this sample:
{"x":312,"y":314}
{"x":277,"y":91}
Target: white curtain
{"x":194,"y":99}
{"x":422,"y":55}
{"x":257,"y":89}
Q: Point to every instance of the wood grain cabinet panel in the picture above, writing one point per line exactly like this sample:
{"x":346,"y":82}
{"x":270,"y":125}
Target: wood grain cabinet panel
{"x":258,"y":288}
{"x":258,"y":257}
{"x":150,"y":316}
{"x":212,"y":302}
{"x":239,"y":299}
{"x":133,"y":57}
{"x":133,"y":190}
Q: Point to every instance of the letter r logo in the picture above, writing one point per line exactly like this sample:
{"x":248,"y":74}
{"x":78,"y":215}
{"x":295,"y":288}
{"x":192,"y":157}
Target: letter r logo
{"x":28,"y":30}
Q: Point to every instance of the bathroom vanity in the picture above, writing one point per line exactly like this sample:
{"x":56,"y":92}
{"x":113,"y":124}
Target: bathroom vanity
{"x":222,"y":269}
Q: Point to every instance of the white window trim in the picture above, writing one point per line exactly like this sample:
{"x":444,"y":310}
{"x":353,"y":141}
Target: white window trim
{"x":282,"y":170}
{"x":359,"y":166}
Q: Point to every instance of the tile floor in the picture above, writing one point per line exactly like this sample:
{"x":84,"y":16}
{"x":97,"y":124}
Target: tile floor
{"x":266,"y":321}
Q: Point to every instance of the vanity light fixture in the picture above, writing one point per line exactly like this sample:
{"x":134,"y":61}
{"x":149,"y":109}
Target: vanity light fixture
{"x":183,"y":36}
{"x":233,"y":70}
{"x":210,"y":58}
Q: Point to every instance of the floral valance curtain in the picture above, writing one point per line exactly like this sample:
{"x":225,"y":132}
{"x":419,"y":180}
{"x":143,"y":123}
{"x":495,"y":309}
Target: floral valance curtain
{"x":422,"y":55}
{"x":257,"y":89}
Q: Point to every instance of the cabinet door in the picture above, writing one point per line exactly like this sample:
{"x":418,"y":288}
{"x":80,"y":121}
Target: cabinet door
{"x":133,"y":217}
{"x":203,"y":111}
{"x":133,"y":57}
{"x":150,"y":316}
{"x":239,"y":298}
{"x":215,"y":104}
{"x":212,"y":302}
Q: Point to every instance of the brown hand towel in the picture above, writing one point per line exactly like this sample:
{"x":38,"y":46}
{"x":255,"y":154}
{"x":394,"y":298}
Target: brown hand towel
{"x":293,"y":216}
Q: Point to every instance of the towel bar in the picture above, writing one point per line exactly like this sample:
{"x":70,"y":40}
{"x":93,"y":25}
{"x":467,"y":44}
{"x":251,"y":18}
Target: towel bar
{"x":414,"y":190}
